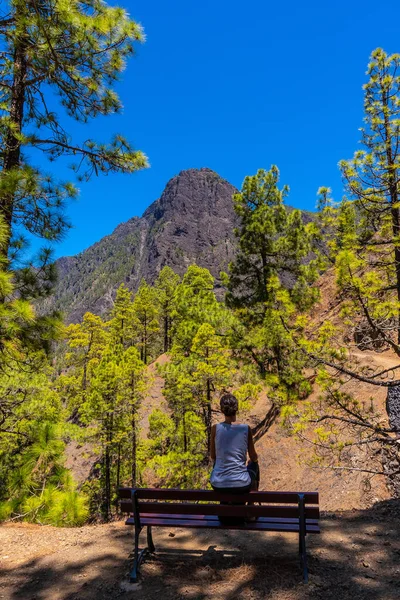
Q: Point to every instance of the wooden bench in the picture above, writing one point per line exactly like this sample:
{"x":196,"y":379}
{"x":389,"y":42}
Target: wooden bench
{"x":296,"y":512}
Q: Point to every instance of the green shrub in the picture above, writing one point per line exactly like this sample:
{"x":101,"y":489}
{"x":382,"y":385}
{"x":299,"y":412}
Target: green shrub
{"x":68,"y":509}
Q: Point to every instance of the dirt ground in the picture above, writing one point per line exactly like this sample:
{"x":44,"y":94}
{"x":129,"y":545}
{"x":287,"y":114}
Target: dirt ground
{"x":357,"y":557}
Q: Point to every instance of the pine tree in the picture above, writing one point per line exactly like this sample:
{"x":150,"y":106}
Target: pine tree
{"x":34,"y":483}
{"x":363,"y":245}
{"x":194,"y":378}
{"x":372,"y":231}
{"x":273,"y":241}
{"x":116,"y":381}
{"x":100,"y":411}
{"x":133,"y":386}
{"x":145,"y":318}
{"x":22,"y":332}
{"x":176,"y":458}
{"x":25,"y":398}
{"x":166,"y":284}
{"x":73,"y":51}
{"x":213,"y":371}
{"x":122,"y":317}
{"x":200,"y":360}
{"x":87,"y":342}
{"x":195,"y":304}
{"x":271,"y":281}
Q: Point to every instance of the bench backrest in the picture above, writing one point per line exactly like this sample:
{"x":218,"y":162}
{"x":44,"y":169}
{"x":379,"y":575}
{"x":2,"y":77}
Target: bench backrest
{"x":283,"y":505}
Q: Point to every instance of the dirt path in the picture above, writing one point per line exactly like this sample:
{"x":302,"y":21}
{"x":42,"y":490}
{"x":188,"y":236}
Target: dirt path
{"x":357,"y":557}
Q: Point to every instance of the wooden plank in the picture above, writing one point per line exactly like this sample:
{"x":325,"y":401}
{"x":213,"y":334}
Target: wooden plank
{"x":215,"y":518}
{"x":211,"y":496}
{"x":266,"y":510}
{"x":212,"y":524}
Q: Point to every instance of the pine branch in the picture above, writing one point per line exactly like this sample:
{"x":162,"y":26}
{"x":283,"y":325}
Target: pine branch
{"x":6,"y":22}
{"x":357,"y":423}
{"x":356,"y":469}
{"x":352,"y":374}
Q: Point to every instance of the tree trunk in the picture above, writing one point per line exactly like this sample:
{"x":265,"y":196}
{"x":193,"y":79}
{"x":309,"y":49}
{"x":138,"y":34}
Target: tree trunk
{"x":12,"y":151}
{"x":208,"y":416}
{"x":184,"y":433}
{"x":109,"y":436}
{"x":118,"y":473}
{"x":122,"y":339}
{"x":166,"y":334}
{"x":134,"y":444}
{"x":145,"y":343}
{"x":396,"y":231}
{"x":264,"y":262}
{"x":107,"y":486}
{"x":133,"y":429}
{"x":394,"y":198}
{"x":278,"y":360}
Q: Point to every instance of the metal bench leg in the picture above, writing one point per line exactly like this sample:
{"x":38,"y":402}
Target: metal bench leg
{"x":150,"y":544}
{"x":136,"y":558}
{"x":302,"y":538}
{"x":303,"y":557}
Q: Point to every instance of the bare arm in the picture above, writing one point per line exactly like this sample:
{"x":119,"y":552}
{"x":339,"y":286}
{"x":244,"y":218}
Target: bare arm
{"x":250,"y":448}
{"x":212,"y":444}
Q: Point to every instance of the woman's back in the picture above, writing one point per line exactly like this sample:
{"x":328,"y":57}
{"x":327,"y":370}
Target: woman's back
{"x":231,"y":443}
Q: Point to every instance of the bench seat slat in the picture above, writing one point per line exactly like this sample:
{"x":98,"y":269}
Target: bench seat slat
{"x":211,"y":496}
{"x":165,"y":516}
{"x":215,"y":524}
{"x":219,"y":509}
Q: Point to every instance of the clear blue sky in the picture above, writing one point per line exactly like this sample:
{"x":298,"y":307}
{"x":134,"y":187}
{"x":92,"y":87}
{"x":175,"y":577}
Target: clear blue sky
{"x":236,"y":86}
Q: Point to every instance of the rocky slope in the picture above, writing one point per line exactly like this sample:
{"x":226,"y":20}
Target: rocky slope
{"x":192,"y":222}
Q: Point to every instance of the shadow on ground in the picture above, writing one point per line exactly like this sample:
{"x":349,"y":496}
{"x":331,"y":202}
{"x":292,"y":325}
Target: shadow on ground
{"x":356,"y":557}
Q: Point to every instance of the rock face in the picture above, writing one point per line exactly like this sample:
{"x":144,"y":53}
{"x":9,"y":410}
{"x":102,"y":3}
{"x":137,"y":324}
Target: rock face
{"x":192,"y":222}
{"x":393,"y":407}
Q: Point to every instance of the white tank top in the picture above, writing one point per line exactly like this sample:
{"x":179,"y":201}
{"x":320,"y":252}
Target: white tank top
{"x":231,"y":442}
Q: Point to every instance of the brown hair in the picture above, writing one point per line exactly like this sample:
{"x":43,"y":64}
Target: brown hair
{"x":229,"y":405}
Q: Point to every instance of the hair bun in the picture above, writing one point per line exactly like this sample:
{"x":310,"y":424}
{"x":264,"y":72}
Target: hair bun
{"x":229,"y":405}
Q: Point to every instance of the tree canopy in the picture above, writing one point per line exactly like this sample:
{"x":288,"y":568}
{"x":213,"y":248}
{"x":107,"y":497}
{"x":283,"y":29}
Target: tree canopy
{"x":65,"y":54}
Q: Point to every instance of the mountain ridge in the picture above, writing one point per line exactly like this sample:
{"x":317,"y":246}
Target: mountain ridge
{"x":192,"y":221}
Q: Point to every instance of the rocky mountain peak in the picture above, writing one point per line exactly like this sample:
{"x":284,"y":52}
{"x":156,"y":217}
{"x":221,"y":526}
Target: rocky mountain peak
{"x":191,"y":222}
{"x":193,"y":191}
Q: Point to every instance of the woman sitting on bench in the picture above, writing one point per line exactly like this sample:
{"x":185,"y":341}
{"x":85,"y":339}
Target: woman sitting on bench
{"x":230,"y":444}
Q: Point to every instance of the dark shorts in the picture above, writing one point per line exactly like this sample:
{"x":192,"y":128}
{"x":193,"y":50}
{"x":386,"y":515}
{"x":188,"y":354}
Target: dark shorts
{"x":254,"y":472}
